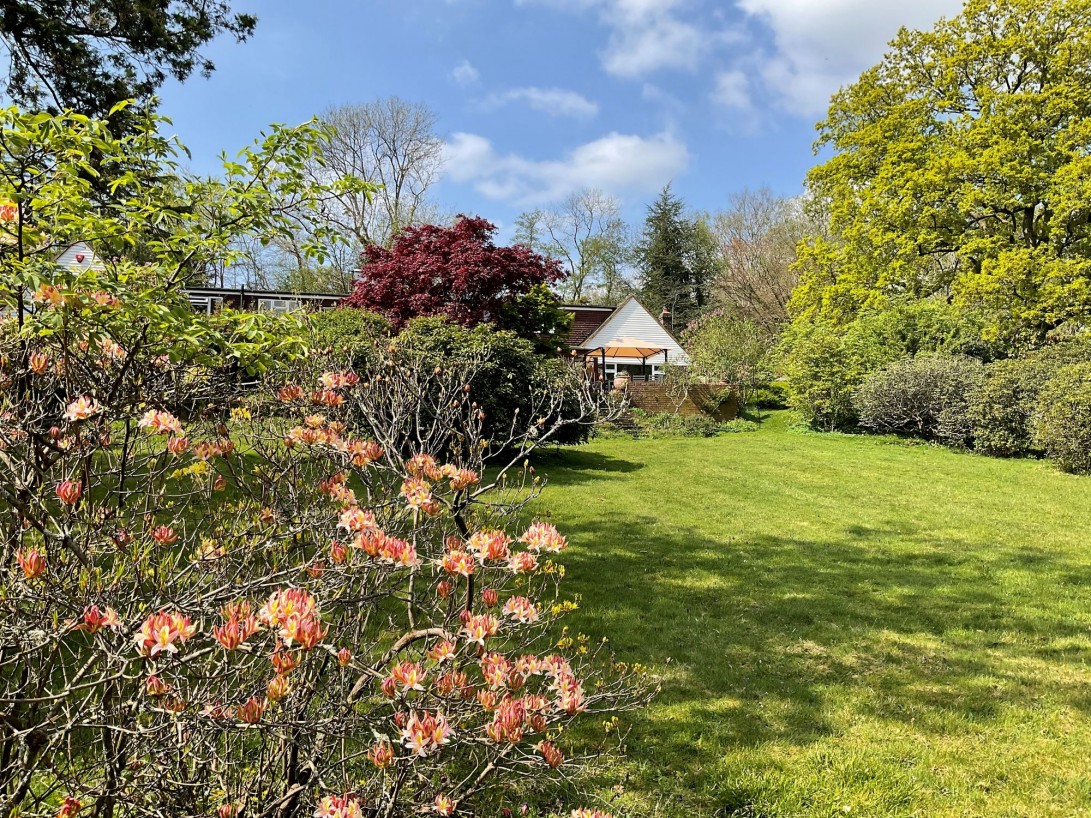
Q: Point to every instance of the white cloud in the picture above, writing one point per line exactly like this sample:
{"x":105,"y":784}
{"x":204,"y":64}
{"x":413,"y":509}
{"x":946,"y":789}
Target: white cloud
{"x":821,"y":45}
{"x":733,"y":90}
{"x":465,"y":74}
{"x":553,"y":101}
{"x":645,"y":35}
{"x":616,"y":163}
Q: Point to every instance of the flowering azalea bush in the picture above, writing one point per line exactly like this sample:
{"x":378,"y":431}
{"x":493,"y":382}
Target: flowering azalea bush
{"x":318,"y":596}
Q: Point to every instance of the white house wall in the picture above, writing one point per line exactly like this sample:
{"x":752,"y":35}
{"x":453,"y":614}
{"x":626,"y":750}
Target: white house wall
{"x":631,"y":320}
{"x":68,"y":260}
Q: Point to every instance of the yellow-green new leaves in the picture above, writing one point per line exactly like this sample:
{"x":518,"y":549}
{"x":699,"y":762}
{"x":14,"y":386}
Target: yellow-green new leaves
{"x":962,"y":170}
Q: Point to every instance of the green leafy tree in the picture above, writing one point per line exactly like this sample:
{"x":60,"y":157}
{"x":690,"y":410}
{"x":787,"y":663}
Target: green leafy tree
{"x":730,"y":350}
{"x":961,"y":170}
{"x":675,"y":261}
{"x":87,"y":55}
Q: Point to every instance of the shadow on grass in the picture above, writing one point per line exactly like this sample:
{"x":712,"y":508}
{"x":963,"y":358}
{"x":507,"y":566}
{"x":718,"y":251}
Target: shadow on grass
{"x":761,"y":638}
{"x":570,"y":466}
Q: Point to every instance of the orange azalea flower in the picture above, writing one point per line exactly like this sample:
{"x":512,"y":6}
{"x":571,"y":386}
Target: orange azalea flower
{"x":357,"y":520}
{"x":442,"y":651}
{"x":569,"y":695}
{"x":490,"y":597}
{"x":458,"y":562}
{"x":326,"y":397}
{"x":344,"y":657}
{"x":290,"y":393}
{"x":82,"y":408}
{"x":164,"y":535}
{"x":294,"y":612}
{"x":251,"y":710}
{"x":39,"y":363}
{"x":69,"y":807}
{"x":306,"y":631}
{"x":278,"y":688}
{"x":105,"y":299}
{"x":161,"y":631}
{"x":95,"y":619}
{"x":398,"y":552}
{"x":284,"y":662}
{"x":490,"y":545}
{"x":507,"y":722}
{"x":177,"y":446}
{"x":544,"y":537}
{"x":160,"y":423}
{"x":552,"y":755}
{"x":495,"y":669}
{"x":32,"y":561}
{"x":338,"y":552}
{"x":523,"y":563}
{"x":227,"y":811}
{"x":48,"y":294}
{"x":417,"y":492}
{"x":478,"y":628}
{"x":463,"y":479}
{"x":381,"y":754}
{"x":443,"y":589}
{"x":338,"y":806}
{"x":240,"y":624}
{"x":408,"y":675}
{"x":444,"y":805}
{"x":364,"y":452}
{"x":423,"y":465}
{"x":426,"y":734}
{"x":69,"y":491}
{"x":154,"y":686}
{"x":521,"y":610}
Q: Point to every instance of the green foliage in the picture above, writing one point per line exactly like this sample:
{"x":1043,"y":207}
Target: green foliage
{"x":925,"y":396}
{"x":1062,"y":424}
{"x":730,"y":350}
{"x":824,"y":362}
{"x":824,"y":365}
{"x":87,"y":55}
{"x":960,"y":170}
{"x":1002,"y":409}
{"x":349,"y":332}
{"x":675,"y":261}
{"x":506,"y":372}
{"x":773,"y":395}
{"x":156,"y":230}
{"x":538,"y":317}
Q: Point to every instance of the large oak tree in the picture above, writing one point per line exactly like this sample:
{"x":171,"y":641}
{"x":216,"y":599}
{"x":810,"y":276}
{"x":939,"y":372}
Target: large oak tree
{"x":962,"y":170}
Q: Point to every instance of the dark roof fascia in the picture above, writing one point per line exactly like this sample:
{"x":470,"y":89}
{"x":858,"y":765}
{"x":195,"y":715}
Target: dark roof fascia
{"x":259,"y":293}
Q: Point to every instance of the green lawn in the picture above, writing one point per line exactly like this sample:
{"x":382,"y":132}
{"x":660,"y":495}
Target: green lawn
{"x":843,"y":625}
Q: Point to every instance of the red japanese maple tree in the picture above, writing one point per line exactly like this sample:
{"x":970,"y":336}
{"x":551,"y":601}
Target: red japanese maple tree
{"x":456,"y":271}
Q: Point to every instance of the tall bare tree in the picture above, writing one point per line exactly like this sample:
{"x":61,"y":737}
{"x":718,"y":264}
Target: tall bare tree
{"x":390,"y":143}
{"x":586,"y":233}
{"x":756,"y":239}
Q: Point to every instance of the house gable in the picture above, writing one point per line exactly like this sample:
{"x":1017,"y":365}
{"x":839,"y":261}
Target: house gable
{"x":631,"y":320}
{"x":79,"y":256}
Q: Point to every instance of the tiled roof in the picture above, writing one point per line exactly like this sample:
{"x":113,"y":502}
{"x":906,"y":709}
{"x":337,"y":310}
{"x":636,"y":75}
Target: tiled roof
{"x":585,"y":320}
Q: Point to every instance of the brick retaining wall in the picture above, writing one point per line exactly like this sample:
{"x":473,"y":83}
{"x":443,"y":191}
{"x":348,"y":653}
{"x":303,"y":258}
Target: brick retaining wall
{"x":654,"y":398}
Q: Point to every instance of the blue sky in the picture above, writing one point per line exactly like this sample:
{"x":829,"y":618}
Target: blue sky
{"x":536,"y":99}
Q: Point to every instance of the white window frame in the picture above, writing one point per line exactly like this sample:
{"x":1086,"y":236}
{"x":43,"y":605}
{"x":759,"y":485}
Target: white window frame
{"x":279,"y":305}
